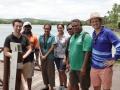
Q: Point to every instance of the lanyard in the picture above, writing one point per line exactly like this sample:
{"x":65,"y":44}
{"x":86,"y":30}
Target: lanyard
{"x":45,"y":41}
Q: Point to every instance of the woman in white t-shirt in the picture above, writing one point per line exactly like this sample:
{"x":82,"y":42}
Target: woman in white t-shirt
{"x":59,"y":53}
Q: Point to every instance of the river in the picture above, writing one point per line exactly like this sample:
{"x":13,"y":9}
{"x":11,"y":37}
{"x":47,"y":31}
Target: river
{"x":6,"y":29}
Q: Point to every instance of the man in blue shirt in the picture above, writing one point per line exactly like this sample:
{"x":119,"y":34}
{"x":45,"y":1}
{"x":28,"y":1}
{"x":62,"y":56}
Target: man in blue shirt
{"x":102,"y":59}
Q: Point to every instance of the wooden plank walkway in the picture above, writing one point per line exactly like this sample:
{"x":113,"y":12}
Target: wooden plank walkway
{"x":38,"y":83}
{"x":115,"y":86}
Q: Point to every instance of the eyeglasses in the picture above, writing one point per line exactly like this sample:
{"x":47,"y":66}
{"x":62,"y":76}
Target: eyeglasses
{"x":60,"y":28}
{"x":47,"y":28}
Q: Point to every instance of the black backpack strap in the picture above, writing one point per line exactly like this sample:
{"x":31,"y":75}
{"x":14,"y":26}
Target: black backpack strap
{"x":83,"y":36}
{"x":89,"y":63}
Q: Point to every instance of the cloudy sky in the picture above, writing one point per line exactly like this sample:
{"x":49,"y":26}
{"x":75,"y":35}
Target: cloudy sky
{"x":54,"y":9}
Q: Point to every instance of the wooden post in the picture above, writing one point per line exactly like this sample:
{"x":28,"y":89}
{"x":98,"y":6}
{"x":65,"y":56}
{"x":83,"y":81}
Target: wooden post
{"x":6,"y":73}
{"x":19,"y":71}
{"x":13,"y":68}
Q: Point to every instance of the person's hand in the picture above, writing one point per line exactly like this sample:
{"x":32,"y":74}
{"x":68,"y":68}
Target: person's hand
{"x":67,"y":67}
{"x":23,"y":57}
{"x":109,"y":63}
{"x":36,"y":61}
{"x":83,"y":71}
{"x":43,"y":57}
{"x":64,"y":61}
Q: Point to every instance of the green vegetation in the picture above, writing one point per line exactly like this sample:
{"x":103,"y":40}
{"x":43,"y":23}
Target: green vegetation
{"x":113,"y":18}
{"x":36,"y":21}
{"x":32,"y":20}
{"x":5,"y":21}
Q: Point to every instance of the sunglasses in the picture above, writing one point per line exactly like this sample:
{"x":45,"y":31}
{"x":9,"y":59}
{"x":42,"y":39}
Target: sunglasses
{"x":69,"y":29}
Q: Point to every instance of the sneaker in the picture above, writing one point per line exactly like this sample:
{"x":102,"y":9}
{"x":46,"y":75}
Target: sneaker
{"x":65,"y":88}
{"x":61,"y":88}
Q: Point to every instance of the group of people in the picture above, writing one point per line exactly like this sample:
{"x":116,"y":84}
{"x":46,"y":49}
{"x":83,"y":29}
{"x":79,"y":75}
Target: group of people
{"x":88,"y":59}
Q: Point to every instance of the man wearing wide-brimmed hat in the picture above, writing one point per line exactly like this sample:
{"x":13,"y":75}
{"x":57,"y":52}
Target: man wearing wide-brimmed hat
{"x":102,"y":59}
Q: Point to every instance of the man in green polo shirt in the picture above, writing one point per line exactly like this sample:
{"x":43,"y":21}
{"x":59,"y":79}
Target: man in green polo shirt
{"x":79,"y":57}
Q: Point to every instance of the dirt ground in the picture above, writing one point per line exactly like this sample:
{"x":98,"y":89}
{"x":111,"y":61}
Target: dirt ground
{"x":38,"y":82}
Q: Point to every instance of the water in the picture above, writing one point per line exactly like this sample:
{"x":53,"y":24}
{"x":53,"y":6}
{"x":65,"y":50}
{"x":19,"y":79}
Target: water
{"x":6,"y":29}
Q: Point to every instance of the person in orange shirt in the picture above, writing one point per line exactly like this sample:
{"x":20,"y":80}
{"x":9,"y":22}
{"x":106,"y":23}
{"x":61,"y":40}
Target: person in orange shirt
{"x":28,"y":68}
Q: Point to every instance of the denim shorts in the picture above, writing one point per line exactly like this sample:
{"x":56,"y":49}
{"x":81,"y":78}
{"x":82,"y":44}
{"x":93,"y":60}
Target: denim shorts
{"x":59,"y":64}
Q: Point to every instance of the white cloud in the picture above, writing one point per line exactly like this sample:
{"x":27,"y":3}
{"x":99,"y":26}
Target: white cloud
{"x":54,"y":9}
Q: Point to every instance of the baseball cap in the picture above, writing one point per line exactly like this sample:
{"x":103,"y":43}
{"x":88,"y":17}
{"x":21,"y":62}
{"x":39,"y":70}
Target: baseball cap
{"x":27,"y":23}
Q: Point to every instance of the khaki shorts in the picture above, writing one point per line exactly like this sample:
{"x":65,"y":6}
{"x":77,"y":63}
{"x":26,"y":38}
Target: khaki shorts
{"x":102,"y":76}
{"x":28,"y":69}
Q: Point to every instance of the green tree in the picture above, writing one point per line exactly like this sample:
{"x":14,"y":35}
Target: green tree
{"x":113,"y":16}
